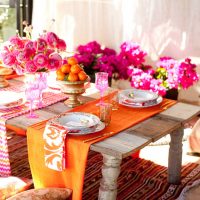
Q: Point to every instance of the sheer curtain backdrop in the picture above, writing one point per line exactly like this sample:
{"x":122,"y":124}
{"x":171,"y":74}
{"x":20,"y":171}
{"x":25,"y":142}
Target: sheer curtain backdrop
{"x":161,"y":27}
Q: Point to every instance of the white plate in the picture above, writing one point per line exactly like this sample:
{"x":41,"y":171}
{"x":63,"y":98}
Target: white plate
{"x":75,"y":121}
{"x":142,"y":105}
{"x":8,"y":97}
{"x":100,"y":126}
{"x":21,"y":102}
{"x":53,"y":85}
{"x":11,"y":99}
{"x":137,"y":96}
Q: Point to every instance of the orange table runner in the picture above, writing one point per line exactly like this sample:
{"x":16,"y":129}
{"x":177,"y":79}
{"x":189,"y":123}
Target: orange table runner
{"x":13,"y":75}
{"x":76,"y":150}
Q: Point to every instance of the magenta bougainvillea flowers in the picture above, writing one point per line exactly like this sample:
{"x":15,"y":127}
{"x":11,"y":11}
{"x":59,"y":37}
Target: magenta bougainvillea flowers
{"x":129,"y":64}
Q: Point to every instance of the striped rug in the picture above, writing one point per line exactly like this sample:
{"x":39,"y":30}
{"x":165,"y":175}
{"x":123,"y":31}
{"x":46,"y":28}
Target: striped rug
{"x":140,"y":179}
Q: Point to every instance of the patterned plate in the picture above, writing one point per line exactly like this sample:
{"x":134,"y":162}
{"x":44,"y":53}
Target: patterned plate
{"x":10,"y":99}
{"x":137,"y":96}
{"x":76,"y":121}
{"x":100,"y":126}
{"x":143,"y":104}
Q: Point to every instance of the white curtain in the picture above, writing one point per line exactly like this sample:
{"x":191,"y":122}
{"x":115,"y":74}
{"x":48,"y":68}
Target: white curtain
{"x":161,"y":27}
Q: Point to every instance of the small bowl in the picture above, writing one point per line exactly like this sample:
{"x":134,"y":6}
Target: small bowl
{"x":3,"y":72}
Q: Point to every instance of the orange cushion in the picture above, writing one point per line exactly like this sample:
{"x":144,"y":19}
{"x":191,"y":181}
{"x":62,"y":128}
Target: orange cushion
{"x":11,"y":185}
{"x":45,"y":193}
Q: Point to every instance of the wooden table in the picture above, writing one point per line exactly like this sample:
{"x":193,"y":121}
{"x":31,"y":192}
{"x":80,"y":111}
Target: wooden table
{"x":117,"y":147}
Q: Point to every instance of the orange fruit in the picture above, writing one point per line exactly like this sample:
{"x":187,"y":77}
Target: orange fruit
{"x":60,"y":76}
{"x":58,"y":71}
{"x":72,"y":77}
{"x":82,"y":76}
{"x":65,"y":68}
{"x":76,"y":69}
{"x":72,"y":61}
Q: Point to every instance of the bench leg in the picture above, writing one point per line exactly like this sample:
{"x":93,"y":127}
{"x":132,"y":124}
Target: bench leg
{"x":110,"y":173}
{"x":175,"y":157}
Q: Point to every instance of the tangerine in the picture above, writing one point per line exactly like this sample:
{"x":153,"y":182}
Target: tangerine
{"x":60,"y":76}
{"x":76,"y":68}
{"x":72,"y":61}
{"x":65,"y":68}
{"x":72,"y":77}
{"x":82,"y":76}
{"x":58,"y":71}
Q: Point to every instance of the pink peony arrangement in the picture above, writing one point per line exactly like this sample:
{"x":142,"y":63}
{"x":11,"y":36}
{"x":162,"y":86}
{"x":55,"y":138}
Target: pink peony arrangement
{"x":28,"y":56}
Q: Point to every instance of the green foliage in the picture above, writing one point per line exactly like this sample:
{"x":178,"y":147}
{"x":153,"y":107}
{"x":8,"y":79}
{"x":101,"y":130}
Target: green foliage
{"x":7,"y":23}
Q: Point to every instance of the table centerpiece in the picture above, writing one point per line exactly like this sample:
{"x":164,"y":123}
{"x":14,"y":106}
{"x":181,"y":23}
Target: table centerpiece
{"x":71,"y":78}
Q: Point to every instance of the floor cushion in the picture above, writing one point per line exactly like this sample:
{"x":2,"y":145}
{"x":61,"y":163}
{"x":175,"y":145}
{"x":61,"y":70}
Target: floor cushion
{"x":44,"y":194}
{"x":11,"y":185}
{"x":194,"y":138}
{"x":191,"y":192}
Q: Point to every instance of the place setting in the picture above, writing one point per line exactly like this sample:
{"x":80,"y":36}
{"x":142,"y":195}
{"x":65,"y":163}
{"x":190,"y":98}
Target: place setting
{"x":136,"y":98}
{"x":10,"y":102}
{"x":79,"y":123}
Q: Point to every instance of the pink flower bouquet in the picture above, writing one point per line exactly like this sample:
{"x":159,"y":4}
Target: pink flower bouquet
{"x":28,"y":56}
{"x":169,"y":74}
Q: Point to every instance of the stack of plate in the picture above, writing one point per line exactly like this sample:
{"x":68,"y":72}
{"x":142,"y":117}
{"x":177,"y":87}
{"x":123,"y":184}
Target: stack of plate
{"x":79,"y":123}
{"x":138,"y":98}
{"x":10,"y":99}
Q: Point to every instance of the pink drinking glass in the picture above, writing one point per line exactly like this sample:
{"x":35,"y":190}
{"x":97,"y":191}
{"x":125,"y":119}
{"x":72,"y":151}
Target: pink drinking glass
{"x":101,"y":83}
{"x":42,"y":83}
{"x":32,"y":93}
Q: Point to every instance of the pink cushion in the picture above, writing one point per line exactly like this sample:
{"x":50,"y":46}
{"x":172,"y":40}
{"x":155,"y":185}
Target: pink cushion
{"x":44,"y":194}
{"x":11,"y":185}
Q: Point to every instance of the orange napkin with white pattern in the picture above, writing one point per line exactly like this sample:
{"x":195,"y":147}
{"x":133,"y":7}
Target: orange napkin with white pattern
{"x":54,"y":146}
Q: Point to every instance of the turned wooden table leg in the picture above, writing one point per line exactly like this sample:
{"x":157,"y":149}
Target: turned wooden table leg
{"x":110,"y":173}
{"x":175,"y":157}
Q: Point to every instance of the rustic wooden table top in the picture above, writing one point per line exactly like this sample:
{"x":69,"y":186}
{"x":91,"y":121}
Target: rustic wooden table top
{"x":128,"y":141}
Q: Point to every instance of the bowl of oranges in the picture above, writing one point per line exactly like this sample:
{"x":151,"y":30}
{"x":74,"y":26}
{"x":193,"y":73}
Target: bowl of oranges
{"x":71,"y":79}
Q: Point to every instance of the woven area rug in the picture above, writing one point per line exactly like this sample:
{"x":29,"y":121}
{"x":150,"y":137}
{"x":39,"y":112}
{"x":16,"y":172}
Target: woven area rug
{"x":17,"y":148}
{"x":140,"y":179}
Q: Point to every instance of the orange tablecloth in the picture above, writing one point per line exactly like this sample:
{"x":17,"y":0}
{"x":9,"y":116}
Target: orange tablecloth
{"x":76,"y":150}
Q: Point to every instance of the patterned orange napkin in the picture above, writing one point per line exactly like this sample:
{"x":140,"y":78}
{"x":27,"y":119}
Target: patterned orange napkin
{"x":54,"y":146}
